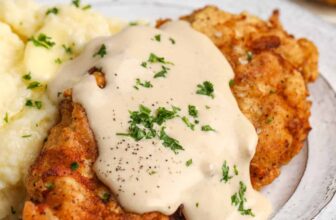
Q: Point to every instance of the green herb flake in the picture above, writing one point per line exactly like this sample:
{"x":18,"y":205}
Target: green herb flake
{"x":269,"y":120}
{"x":49,"y":186}
{"x":27,"y":77}
{"x":189,"y":162}
{"x":206,"y":88}
{"x":38,"y":104}
{"x":249,"y":55}
{"x":6,"y":118}
{"x":26,"y":136}
{"x":231,"y":83}
{"x":101,"y":52}
{"x":153,"y":58}
{"x":86,"y":7}
{"x":145,"y":84}
{"x":74,"y":166}
{"x":133,"y":23}
{"x":235,"y":170}
{"x":106,"y":197}
{"x":170,"y":142}
{"x":193,"y":111}
{"x":197,"y":204}
{"x":67,"y":49}
{"x":33,"y":85}
{"x":157,"y":38}
{"x":238,"y":199}
{"x":172,"y":40}
{"x":162,"y":73}
{"x":207,"y":128}
{"x":58,"y":61}
{"x":225,"y":173}
{"x":76,"y":3}
{"x":188,"y":123}
{"x":163,"y":115}
{"x":144,"y":64}
{"x":151,"y":172}
{"x":53,"y":10}
{"x":42,"y":40}
{"x":13,"y":211}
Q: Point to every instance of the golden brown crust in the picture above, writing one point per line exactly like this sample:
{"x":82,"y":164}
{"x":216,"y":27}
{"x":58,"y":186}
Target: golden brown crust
{"x":62,"y":182}
{"x":271,"y":69}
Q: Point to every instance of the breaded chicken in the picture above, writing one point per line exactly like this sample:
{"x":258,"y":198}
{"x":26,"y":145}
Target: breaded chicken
{"x":62,"y":184}
{"x":272,"y":70}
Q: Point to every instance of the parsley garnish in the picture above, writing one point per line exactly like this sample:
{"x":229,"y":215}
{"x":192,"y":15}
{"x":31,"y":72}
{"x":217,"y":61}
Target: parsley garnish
{"x":231,"y":82}
{"x":87,"y":7}
{"x":162,"y":73}
{"x":192,"y":111}
{"x":42,"y":41}
{"x":33,"y":85}
{"x":101,"y":52}
{"x":238,"y":199}
{"x":68,"y":50}
{"x":170,"y":142}
{"x":6,"y":118}
{"x":151,"y":172}
{"x":172,"y":40}
{"x":58,"y":61}
{"x":106,"y":197}
{"x":31,"y":103}
{"x":188,"y":123}
{"x":53,"y":10}
{"x":206,"y":88}
{"x":27,"y":77}
{"x":76,"y":3}
{"x":269,"y":120}
{"x":249,"y":55}
{"x":157,"y":37}
{"x":157,"y":59}
{"x":197,"y":204}
{"x":144,"y":64}
{"x":207,"y":128}
{"x":225,"y":173}
{"x":133,"y":23}
{"x":189,"y":162}
{"x":235,"y":170}
{"x":74,"y":166}
{"x":26,"y":136}
{"x":49,"y":186}
{"x":145,"y":84}
{"x":163,"y":115}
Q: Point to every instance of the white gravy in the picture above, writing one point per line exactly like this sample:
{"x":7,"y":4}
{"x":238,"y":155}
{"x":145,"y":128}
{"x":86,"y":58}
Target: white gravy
{"x":146,"y":175}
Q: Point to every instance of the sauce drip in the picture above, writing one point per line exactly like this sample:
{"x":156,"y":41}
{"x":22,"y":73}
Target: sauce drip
{"x":168,"y":128}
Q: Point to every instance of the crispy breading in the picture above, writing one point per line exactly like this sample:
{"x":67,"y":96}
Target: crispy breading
{"x":271,"y":72}
{"x":62,"y":184}
{"x":271,"y":69}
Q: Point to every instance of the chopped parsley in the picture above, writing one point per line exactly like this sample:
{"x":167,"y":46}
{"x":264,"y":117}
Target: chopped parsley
{"x":231,"y":83}
{"x":189,"y":162}
{"x":249,"y":55}
{"x":67,"y":50}
{"x":157,"y":37}
{"x":170,"y":142}
{"x":49,"y":186}
{"x":157,"y":59}
{"x":207,"y":128}
{"x":53,"y":10}
{"x":269,"y":120}
{"x":238,"y":199}
{"x":36,"y":104}
{"x":172,"y":40}
{"x":26,"y":136}
{"x":188,"y":123}
{"x":145,"y":84}
{"x":6,"y":118}
{"x":27,"y":77}
{"x":151,"y":172}
{"x":225,"y":173}
{"x":86,"y":7}
{"x":163,"y":115}
{"x":58,"y":61}
{"x":193,"y":111}
{"x":144,"y":64}
{"x":133,"y":23}
{"x":197,"y":204}
{"x":206,"y":88}
{"x":162,"y":73}
{"x":74,"y":166}
{"x":33,"y":85}
{"x":76,"y":3}
{"x":106,"y":197}
{"x":101,"y":52}
{"x":42,"y":40}
{"x":235,"y":170}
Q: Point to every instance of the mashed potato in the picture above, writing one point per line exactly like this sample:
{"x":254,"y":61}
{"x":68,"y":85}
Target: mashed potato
{"x":26,"y":67}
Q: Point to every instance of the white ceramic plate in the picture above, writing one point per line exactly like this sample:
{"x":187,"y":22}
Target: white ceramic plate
{"x":306,"y":187}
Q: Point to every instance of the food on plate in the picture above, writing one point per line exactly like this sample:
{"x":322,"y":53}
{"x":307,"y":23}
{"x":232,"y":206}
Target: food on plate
{"x":272,"y":70}
{"x":35,"y":41}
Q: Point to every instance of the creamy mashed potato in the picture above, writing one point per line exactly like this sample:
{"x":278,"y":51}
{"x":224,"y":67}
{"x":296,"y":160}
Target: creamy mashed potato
{"x":26,"y":114}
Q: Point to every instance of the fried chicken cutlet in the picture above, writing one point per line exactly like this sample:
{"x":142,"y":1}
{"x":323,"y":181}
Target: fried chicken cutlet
{"x":272,"y":70}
